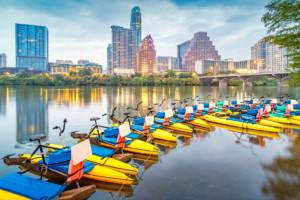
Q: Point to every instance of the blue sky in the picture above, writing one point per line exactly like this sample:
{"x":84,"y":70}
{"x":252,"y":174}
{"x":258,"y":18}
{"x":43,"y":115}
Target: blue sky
{"x":80,"y":29}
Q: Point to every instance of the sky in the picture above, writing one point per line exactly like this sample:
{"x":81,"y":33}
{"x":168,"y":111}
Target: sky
{"x":81,"y":29}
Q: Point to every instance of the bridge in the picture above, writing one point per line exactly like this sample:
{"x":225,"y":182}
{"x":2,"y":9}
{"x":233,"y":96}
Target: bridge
{"x":247,"y":78}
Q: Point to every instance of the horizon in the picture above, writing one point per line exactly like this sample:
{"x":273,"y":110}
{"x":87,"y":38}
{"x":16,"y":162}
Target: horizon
{"x":232,"y":26}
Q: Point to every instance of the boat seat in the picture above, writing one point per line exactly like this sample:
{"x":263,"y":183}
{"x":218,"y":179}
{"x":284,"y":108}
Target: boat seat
{"x":30,"y":187}
{"x":94,"y":118}
{"x":102,"y":152}
{"x":37,"y":137}
{"x":155,"y":126}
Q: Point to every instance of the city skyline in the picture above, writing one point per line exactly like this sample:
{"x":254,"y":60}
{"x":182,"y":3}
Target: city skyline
{"x":233,"y":26}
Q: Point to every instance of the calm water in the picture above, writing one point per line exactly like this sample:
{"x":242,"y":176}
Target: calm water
{"x":211,"y":165}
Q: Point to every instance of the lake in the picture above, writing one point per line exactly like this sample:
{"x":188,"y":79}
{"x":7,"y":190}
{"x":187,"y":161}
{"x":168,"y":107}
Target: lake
{"x":220,"y":164}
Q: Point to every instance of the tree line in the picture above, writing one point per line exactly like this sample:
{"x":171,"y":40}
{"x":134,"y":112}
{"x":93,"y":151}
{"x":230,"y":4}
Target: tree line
{"x":86,"y":78}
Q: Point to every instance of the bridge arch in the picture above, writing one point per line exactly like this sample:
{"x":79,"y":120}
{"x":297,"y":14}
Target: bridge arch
{"x":282,"y":78}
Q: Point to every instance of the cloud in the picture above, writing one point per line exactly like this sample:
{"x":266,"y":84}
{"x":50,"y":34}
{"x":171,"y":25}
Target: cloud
{"x":81,"y":29}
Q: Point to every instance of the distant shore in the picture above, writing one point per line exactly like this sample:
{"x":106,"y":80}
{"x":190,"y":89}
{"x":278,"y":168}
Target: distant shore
{"x":87,"y":79}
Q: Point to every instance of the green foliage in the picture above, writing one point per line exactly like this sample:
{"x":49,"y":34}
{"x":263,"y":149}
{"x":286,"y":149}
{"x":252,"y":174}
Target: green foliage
{"x":228,"y":72}
{"x":264,"y":81}
{"x":78,"y":80}
{"x":295,"y":81}
{"x":235,"y":82}
{"x":283,"y":23}
{"x":170,"y":73}
{"x":185,"y":75}
{"x":85,"y":72}
{"x":73,"y":73}
{"x":206,"y":74}
{"x":23,"y":75}
{"x":136,"y":75}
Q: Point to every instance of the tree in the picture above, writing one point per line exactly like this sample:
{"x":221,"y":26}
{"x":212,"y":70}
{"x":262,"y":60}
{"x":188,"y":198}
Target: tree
{"x":185,"y":75}
{"x":85,"y":72}
{"x":170,"y":73}
{"x":283,"y":23}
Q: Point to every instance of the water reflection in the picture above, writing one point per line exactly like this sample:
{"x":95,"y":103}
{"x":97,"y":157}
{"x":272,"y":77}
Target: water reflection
{"x":211,"y":163}
{"x":4,"y":99}
{"x":283,"y":175}
{"x":32,"y":113}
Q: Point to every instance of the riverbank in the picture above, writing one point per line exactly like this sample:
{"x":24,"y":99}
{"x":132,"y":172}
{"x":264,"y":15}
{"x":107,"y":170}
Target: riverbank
{"x":87,"y":79}
{"x":96,"y":80}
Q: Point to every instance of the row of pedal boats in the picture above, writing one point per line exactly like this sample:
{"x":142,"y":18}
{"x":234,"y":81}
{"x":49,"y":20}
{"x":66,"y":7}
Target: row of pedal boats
{"x":101,"y":166}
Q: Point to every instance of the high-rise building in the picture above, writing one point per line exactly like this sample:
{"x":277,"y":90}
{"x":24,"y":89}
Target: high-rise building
{"x":181,"y":49}
{"x":83,"y":62}
{"x":146,"y":57}
{"x":270,"y":57}
{"x":109,"y":69}
{"x":123,"y":50}
{"x":31,"y":46}
{"x":219,"y":66}
{"x":165,"y":63}
{"x":3,"y":59}
{"x":136,"y":24}
{"x":200,"y":47}
{"x":162,"y":63}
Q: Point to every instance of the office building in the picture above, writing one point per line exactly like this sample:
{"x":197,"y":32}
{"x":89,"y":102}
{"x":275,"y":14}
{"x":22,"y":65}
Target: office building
{"x":136,"y":24}
{"x":218,"y":66}
{"x":123,"y":50}
{"x":199,"y":48}
{"x":146,"y":57}
{"x":270,"y":57}
{"x":109,"y":69}
{"x":181,"y":49}
{"x":83,"y":62}
{"x":31,"y":47}
{"x":165,"y":63}
{"x":3,"y":60}
{"x":65,"y":69}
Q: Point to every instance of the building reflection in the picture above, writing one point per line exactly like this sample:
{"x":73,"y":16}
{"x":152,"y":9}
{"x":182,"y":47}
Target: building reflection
{"x":32,"y":113}
{"x":76,"y":97}
{"x":4,"y":99}
{"x":283,"y":177}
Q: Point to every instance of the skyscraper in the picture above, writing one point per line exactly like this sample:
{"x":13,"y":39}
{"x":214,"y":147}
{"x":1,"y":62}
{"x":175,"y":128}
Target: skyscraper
{"x":146,"y":57}
{"x":181,"y":49}
{"x":109,"y":60}
{"x":31,"y":46}
{"x":270,"y":57}
{"x":200,"y":47}
{"x":3,"y":59}
{"x":123,"y":50}
{"x":136,"y":23}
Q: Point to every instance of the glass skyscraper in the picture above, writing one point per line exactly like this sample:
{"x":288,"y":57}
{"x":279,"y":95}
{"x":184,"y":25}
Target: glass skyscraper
{"x":31,"y":47}
{"x":109,"y":60}
{"x":136,"y":23}
{"x":181,"y":49}
{"x":123,"y":50}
